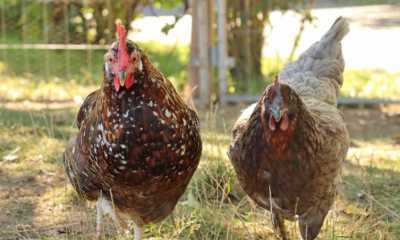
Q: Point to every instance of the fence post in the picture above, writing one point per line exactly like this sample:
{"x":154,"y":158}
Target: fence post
{"x":67,"y":39}
{"x":110,"y":22}
{"x":222,"y":49}
{"x":23,"y":28}
{"x":3,"y":28}
{"x":200,"y":64}
{"x":46,"y":38}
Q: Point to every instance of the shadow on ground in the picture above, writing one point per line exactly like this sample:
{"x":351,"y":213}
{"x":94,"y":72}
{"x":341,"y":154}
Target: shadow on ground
{"x":39,"y":203}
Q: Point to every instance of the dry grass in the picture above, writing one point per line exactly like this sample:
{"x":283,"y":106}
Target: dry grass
{"x":37,"y":202}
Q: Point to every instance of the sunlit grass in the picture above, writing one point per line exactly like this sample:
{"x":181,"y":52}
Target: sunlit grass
{"x":24,"y":75}
{"x":25,"y":88}
{"x":371,"y":83}
{"x":61,"y":73}
{"x":366,"y":2}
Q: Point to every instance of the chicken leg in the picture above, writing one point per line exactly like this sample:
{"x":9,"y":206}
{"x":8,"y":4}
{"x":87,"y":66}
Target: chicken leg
{"x":279,"y":225}
{"x":99,"y":219}
{"x":104,"y":207}
{"x":138,"y":231}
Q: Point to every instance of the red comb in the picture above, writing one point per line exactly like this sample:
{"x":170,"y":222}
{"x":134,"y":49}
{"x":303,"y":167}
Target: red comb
{"x":121,"y":31}
{"x":276,"y":82}
{"x":123,"y":56}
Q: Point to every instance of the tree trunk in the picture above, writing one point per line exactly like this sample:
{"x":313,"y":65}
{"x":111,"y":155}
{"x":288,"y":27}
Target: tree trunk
{"x":245,"y":41}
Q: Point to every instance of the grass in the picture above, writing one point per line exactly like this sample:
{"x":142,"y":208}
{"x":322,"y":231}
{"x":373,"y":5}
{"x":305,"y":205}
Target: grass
{"x":349,"y":3}
{"x":39,"y":202}
{"x":371,"y":83}
{"x":26,"y":77}
{"x":37,"y":110}
{"x":366,"y":2}
{"x":53,"y":68}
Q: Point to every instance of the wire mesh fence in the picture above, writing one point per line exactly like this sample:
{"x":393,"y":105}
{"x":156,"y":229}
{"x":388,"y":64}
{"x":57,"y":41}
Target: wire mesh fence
{"x":49,"y":39}
{"x":65,"y":40}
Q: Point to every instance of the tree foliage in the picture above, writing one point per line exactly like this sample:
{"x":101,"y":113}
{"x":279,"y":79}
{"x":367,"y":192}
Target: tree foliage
{"x":246,"y":22}
{"x":73,"y":21}
{"x":93,"y":21}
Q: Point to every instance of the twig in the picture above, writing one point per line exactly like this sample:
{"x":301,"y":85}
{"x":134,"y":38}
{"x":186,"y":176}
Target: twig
{"x":306,"y":18}
{"x":390,"y":211}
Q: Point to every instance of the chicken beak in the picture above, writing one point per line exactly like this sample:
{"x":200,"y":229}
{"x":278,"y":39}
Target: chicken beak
{"x":276,"y":113}
{"x":122,"y":75}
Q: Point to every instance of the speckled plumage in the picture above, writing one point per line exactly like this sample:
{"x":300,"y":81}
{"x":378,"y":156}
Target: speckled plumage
{"x":295,"y":172}
{"x":138,"y":148}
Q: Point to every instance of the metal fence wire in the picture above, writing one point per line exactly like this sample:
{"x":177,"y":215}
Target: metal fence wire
{"x":48,"y":31}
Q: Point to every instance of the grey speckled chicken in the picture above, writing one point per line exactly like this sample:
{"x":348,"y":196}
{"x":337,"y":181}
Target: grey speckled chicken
{"x":288,"y":147}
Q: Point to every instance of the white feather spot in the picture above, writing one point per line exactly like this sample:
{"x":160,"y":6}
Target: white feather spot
{"x":140,"y":66}
{"x":107,"y":208}
{"x":126,"y":114}
{"x":167,"y":113}
{"x":121,"y":167}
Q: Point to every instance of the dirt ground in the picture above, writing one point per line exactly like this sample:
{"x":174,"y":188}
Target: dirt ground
{"x":30,"y":200}
{"x":372,"y":124}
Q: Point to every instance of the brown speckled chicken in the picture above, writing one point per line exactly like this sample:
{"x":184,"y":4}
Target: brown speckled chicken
{"x":138,"y":143}
{"x":289,"y":146}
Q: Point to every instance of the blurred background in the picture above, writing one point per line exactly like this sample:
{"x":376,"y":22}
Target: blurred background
{"x":240,"y":47}
{"x":223,"y":53}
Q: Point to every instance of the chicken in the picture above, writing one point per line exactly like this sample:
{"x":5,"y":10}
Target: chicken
{"x":288,"y":148}
{"x":138,"y":143}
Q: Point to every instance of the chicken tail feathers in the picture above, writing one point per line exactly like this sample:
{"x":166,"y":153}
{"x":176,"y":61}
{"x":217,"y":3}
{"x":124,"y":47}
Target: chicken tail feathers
{"x":318,"y":72}
{"x":338,"y":30}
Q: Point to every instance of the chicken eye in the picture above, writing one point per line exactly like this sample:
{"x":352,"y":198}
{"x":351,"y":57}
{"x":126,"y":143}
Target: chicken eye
{"x":114,"y":51}
{"x":291,"y":115}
